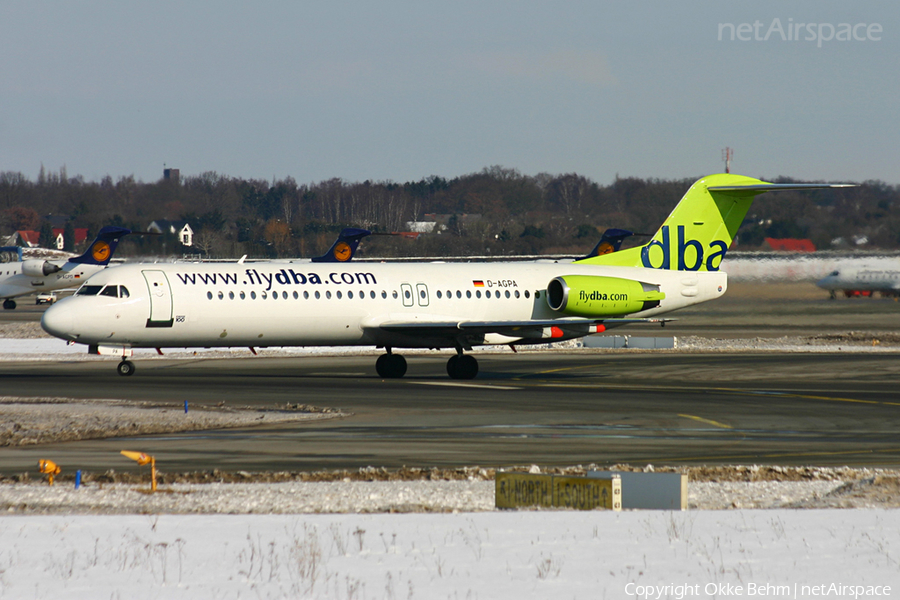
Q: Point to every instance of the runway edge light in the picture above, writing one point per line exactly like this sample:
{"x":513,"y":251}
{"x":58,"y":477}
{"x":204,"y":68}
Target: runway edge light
{"x":49,"y":468}
{"x":142,"y":459}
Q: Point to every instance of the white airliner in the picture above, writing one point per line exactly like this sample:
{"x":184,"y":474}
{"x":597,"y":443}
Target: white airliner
{"x":422,"y":305}
{"x":863,"y":280}
{"x":20,"y":278}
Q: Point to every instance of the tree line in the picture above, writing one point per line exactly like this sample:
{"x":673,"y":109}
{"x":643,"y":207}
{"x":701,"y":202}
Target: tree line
{"x":497,"y":211}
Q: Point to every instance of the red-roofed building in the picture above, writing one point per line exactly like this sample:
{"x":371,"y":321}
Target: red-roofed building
{"x":28,"y":238}
{"x":791,"y":245}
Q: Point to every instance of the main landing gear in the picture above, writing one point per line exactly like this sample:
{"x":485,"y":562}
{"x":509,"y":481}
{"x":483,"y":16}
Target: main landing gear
{"x":125,"y":368}
{"x":462,"y":366}
{"x":9,"y":304}
{"x":393,"y":366}
{"x":390,"y":366}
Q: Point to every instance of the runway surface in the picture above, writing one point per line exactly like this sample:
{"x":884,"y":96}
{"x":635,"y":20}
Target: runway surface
{"x":548,"y":408}
{"x":551,"y":408}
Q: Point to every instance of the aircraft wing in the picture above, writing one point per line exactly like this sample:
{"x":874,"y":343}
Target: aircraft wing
{"x":524,"y":329}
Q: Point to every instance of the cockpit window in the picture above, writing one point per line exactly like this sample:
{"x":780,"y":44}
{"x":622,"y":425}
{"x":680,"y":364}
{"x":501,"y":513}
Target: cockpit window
{"x":113,"y":291}
{"x":835,"y":273}
{"x":89,"y":290}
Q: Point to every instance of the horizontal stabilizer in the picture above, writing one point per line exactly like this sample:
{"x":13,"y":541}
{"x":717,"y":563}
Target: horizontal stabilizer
{"x":777,"y":187}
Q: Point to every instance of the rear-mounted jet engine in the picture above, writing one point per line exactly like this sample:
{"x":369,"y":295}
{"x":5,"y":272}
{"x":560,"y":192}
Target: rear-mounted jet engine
{"x":595,"y":296}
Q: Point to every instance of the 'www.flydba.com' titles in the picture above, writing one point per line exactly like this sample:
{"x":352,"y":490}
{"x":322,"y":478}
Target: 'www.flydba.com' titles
{"x":797,"y":32}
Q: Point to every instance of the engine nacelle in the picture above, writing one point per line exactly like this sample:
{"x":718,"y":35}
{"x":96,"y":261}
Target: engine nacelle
{"x":595,"y":296}
{"x":39,"y":268}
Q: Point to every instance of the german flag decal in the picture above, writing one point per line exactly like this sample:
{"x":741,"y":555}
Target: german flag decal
{"x":478,"y":283}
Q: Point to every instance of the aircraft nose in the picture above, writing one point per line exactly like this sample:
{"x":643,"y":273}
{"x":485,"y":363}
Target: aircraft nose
{"x":58,"y":321}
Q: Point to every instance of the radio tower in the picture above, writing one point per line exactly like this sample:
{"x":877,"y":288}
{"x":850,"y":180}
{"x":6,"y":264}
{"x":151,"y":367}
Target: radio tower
{"x":727,"y":155}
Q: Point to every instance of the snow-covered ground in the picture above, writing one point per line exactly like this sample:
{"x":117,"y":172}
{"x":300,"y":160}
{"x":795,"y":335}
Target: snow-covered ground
{"x":296,"y":497}
{"x":695,"y":554}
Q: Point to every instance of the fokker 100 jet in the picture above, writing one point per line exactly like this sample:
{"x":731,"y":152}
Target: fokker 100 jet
{"x":456,"y":306}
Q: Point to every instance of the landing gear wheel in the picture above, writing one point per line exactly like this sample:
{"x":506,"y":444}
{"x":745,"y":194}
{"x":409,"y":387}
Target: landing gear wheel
{"x":462,"y":366}
{"x":391,"y":366}
{"x":125,"y":368}
{"x":381,"y":365}
{"x":9,"y":304}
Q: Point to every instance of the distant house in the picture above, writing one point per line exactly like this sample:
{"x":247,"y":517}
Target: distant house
{"x":59,"y":236}
{"x":791,"y":245}
{"x":420,"y":226}
{"x":27,"y":238}
{"x":444,"y":219}
{"x":179,"y":228}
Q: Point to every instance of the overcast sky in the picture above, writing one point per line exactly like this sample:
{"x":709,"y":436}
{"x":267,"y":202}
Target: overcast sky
{"x":388,"y":90}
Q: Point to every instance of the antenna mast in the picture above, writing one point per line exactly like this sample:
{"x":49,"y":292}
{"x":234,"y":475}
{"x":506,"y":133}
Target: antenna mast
{"x":727,"y":155}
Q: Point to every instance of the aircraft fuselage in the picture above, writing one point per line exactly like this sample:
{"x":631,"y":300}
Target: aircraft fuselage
{"x":272,"y":304}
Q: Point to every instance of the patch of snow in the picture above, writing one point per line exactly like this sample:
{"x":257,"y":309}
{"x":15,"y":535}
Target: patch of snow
{"x":466,"y":555}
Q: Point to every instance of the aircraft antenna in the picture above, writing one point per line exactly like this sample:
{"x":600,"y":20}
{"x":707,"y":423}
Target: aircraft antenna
{"x":727,"y":155}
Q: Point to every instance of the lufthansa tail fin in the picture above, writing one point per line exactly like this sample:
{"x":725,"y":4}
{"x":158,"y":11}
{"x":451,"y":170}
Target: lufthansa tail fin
{"x":699,"y":231}
{"x":610,"y":242}
{"x":345,"y":246}
{"x":102,"y":248}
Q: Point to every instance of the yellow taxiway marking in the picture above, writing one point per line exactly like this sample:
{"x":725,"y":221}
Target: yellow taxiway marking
{"x":695,"y":388}
{"x":802,"y":396}
{"x":785,"y":455}
{"x":707,"y":421}
{"x":465,"y":385}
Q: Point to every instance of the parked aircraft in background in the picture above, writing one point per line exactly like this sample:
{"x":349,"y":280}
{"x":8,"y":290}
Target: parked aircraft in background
{"x":22,"y":277}
{"x":414,"y":305}
{"x":610,"y":241}
{"x":856,"y":281}
{"x":344,"y":247}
